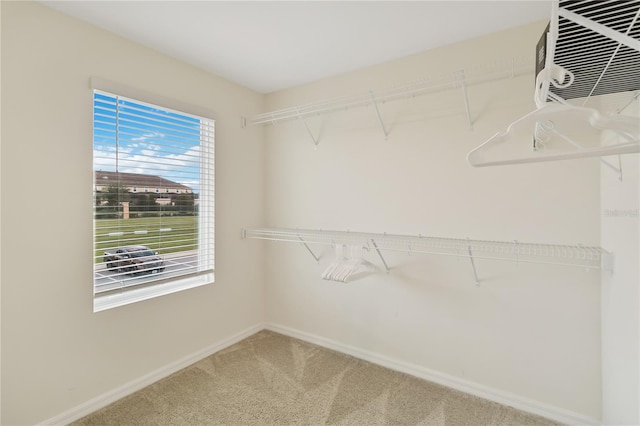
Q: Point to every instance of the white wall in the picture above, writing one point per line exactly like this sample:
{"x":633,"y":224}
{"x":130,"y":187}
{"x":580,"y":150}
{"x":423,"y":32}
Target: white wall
{"x":620,"y":296}
{"x":529,"y":332}
{"x":56,"y":353}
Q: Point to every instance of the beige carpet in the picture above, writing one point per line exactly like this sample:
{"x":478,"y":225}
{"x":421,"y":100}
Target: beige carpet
{"x":271,"y":379}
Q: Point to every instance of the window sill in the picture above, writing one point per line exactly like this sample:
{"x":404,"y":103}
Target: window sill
{"x":102,"y":303}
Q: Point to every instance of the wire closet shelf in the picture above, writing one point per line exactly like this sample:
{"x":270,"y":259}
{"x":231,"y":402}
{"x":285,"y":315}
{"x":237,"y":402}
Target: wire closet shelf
{"x":459,"y":79}
{"x":578,"y":255}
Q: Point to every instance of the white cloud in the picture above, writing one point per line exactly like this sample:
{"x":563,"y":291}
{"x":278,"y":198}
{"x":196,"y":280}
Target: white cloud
{"x":147,"y":136}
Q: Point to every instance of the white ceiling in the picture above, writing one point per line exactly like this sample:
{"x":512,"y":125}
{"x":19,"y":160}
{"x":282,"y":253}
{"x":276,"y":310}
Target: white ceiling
{"x":273,"y":45}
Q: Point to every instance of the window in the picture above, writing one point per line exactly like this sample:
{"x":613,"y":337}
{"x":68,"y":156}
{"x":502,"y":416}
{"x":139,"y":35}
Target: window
{"x":144,"y":248}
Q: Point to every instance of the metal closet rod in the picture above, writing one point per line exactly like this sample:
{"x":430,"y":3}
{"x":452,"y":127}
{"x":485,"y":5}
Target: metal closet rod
{"x":456,"y":79}
{"x":570,"y":255}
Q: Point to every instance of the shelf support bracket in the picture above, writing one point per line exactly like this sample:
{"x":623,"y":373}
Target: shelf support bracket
{"x":618,"y":170}
{"x":633,"y":98}
{"x":315,"y":140}
{"x":386,"y":267}
{"x":309,"y":249}
{"x":473,"y":265}
{"x":375,"y":105}
{"x":463,"y":85}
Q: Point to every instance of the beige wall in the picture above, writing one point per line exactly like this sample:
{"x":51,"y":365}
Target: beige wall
{"x":620,"y":233}
{"x":56,"y":353}
{"x":528,"y":332}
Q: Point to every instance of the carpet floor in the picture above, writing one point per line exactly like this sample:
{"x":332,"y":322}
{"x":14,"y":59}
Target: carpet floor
{"x":271,"y":379}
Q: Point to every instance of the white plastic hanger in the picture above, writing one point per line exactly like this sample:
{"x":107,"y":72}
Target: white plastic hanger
{"x":345,"y":267}
{"x":561,"y":126}
{"x":336,"y":264}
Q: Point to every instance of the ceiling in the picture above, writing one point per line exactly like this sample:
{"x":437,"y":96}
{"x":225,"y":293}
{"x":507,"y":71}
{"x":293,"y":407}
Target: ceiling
{"x":273,"y":45}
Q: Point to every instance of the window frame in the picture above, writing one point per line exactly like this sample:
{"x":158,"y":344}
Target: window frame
{"x":166,"y":286}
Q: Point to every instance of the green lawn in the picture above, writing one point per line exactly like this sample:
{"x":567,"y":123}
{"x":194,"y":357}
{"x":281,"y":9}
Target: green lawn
{"x":161,"y":234}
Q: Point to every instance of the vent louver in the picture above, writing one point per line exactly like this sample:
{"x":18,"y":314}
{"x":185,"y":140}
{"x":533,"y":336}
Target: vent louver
{"x":601,"y":65}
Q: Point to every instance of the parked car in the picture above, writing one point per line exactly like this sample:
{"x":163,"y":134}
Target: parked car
{"x":133,"y":260}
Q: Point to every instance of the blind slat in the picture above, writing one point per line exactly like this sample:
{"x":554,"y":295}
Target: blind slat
{"x":149,"y":153}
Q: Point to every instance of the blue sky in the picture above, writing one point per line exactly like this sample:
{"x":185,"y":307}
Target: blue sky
{"x":149,"y":140}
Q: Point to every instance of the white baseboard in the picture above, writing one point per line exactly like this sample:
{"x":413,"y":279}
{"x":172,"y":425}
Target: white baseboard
{"x":506,"y":398}
{"x":107,"y":398}
{"x":502,"y":397}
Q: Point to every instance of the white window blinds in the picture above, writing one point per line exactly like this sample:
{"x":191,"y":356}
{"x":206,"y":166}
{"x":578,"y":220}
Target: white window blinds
{"x":153,"y":197}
